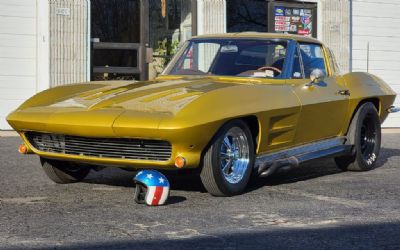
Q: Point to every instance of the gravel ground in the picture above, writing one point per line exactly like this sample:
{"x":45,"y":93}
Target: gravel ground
{"x":314,"y":207}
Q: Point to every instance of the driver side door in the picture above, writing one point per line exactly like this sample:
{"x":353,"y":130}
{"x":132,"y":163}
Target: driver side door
{"x":324,"y":104}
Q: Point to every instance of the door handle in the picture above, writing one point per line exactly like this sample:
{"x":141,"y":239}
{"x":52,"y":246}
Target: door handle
{"x":344,"y":92}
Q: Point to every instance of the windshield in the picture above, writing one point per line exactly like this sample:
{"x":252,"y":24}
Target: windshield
{"x":230,"y":57}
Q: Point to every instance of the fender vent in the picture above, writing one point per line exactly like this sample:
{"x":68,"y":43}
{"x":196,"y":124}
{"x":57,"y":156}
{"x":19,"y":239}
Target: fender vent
{"x":120,"y":148}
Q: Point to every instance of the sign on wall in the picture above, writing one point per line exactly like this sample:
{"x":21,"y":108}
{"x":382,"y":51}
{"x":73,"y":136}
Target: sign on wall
{"x":292,"y":18}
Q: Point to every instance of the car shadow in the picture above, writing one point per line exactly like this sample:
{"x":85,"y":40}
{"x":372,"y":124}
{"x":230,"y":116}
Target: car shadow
{"x":348,"y":236}
{"x":190,"y":181}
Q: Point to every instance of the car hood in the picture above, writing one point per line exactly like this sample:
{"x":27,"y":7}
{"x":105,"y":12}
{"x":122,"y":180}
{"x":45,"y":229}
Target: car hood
{"x":153,"y":96}
{"x":98,"y":107}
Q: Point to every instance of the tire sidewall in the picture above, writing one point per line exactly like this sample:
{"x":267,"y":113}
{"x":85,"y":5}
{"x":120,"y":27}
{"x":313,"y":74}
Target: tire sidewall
{"x":222,"y":183}
{"x":367,"y":110}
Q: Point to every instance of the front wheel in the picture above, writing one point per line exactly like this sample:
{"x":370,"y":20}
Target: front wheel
{"x":228,"y":161}
{"x":63,"y":172}
{"x":365,"y":135}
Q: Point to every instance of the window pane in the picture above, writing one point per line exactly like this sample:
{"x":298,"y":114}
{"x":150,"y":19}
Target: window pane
{"x":245,"y":15}
{"x":116,"y":20}
{"x":170,"y":21}
{"x":313,"y":58}
{"x":115,"y":58}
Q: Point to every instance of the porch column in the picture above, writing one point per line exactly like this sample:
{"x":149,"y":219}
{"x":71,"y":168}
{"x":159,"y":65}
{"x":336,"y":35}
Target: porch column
{"x":334,"y":29}
{"x":211,"y":16}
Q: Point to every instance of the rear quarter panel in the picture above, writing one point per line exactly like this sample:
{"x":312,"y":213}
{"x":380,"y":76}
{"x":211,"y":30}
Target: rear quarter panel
{"x":365,"y":86}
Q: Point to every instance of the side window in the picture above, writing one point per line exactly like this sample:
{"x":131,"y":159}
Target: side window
{"x":313,"y":58}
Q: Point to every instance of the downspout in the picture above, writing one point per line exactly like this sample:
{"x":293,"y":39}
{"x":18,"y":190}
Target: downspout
{"x":88,"y":41}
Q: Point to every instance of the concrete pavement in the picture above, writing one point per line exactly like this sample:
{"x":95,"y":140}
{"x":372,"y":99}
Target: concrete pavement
{"x":314,"y":207}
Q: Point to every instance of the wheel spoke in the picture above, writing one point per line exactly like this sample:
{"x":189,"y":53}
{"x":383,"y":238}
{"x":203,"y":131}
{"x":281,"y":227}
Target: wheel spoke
{"x":224,"y":157}
{"x":227,"y":166}
{"x":227,"y":143}
{"x":234,"y":155}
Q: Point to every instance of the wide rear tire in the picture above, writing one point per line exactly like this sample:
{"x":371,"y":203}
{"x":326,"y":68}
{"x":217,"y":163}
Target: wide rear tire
{"x":229,"y":160}
{"x":365,"y":134}
{"x":63,"y":172}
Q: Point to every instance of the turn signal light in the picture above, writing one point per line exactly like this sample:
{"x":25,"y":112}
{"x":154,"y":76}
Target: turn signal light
{"x":180,"y":162}
{"x":23,"y":149}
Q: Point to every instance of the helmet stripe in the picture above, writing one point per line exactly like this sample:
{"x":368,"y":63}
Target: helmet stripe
{"x":157,"y":195}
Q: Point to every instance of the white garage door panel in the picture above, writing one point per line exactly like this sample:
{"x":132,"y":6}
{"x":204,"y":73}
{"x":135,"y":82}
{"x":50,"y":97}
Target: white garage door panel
{"x":17,"y":10}
{"x":15,"y":52}
{"x":371,"y":22}
{"x":375,"y":43}
{"x":376,"y":9}
{"x":17,"y":82}
{"x":18,"y":54}
{"x":379,"y":72}
{"x":18,"y":41}
{"x":378,"y":31}
{"x":17,"y":67}
{"x":26,"y":3}
{"x":390,"y":65}
{"x":17,"y":25}
{"x":9,"y":105}
{"x":16,"y":94}
{"x":377,"y":22}
{"x":376,"y":55}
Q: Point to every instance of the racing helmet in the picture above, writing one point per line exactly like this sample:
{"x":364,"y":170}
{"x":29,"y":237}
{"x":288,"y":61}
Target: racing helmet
{"x":152,"y":188}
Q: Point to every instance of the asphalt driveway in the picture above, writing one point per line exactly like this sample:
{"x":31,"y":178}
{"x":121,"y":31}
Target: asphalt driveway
{"x":314,"y":207}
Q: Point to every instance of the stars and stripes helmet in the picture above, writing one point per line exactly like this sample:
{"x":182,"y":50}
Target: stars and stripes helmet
{"x":152,"y":188}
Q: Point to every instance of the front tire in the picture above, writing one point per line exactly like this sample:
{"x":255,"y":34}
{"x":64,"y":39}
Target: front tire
{"x":365,"y":134}
{"x":229,"y":160}
{"x":63,"y":172}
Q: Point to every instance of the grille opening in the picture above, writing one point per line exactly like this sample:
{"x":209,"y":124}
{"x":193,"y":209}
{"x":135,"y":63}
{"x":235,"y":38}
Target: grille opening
{"x":119,"y":148}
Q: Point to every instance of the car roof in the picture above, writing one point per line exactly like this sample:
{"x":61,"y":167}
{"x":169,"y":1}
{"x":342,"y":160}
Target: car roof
{"x":262,"y":35}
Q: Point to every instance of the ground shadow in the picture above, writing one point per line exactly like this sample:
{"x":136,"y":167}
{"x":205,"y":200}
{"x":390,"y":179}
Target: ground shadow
{"x":190,"y":181}
{"x":366,"y":236}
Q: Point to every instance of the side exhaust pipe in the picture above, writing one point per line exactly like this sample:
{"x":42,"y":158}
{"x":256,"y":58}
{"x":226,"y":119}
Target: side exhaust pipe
{"x":268,"y":169}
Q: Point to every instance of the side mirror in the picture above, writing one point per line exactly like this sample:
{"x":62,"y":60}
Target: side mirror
{"x":316,"y":77}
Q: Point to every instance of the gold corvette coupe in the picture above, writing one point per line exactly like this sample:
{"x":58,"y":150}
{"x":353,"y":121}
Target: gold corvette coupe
{"x":231,"y":105}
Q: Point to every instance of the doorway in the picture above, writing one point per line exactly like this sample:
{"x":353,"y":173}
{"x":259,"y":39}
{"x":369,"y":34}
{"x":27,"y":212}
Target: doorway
{"x":118,"y":29}
{"x":135,"y":39}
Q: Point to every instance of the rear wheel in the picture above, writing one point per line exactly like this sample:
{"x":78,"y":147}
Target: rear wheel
{"x":63,"y":172}
{"x":365,"y":134}
{"x":228,"y":162}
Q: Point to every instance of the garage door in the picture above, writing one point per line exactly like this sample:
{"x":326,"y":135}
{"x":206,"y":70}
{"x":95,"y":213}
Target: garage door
{"x":377,"y":23}
{"x":17,"y":54}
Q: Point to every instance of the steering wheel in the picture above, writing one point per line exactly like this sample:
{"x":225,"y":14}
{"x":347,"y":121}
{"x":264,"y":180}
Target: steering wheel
{"x":271,"y":68}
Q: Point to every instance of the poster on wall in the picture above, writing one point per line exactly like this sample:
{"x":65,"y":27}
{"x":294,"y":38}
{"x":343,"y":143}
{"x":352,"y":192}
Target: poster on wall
{"x":293,"y":20}
{"x":289,"y":18}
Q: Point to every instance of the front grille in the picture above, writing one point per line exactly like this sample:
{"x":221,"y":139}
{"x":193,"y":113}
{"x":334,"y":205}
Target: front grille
{"x":121,"y":148}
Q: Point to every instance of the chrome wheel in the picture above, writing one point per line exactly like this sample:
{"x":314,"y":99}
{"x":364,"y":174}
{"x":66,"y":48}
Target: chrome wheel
{"x":234,"y":155}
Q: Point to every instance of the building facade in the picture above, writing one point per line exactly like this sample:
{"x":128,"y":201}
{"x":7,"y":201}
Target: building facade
{"x":46,"y":43}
